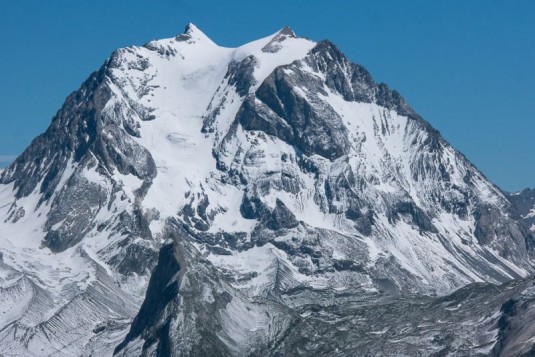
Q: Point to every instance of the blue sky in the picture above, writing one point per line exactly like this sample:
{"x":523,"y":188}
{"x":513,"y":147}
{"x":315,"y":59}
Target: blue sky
{"x":468,"y":67}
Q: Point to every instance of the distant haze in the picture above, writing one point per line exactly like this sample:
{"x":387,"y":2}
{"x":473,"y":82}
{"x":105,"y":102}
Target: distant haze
{"x":5,"y":160}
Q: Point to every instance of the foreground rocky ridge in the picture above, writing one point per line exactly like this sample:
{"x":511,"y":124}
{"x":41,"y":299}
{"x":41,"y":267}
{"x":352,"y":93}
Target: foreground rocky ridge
{"x":284,"y":191}
{"x":480,"y":319}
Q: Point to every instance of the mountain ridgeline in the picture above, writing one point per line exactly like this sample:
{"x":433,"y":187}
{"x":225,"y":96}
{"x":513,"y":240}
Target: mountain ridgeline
{"x":270,"y":199}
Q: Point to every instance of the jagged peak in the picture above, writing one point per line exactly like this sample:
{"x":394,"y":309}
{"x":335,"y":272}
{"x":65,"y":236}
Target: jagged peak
{"x":191,"y":28}
{"x":193,"y":34}
{"x":280,"y":36}
{"x":286,"y":31}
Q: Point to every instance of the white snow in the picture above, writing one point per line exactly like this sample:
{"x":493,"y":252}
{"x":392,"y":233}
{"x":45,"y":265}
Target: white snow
{"x":180,"y":83}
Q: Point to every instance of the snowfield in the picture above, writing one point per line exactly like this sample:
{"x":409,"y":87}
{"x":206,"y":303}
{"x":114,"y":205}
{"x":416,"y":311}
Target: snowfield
{"x":192,"y":195}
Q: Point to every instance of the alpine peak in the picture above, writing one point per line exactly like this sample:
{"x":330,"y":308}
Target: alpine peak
{"x":193,"y":34}
{"x":280,"y":36}
{"x":268,"y":199}
{"x":286,"y":31}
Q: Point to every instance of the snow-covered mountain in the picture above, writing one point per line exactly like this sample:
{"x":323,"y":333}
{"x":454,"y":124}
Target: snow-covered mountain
{"x":191,"y":198}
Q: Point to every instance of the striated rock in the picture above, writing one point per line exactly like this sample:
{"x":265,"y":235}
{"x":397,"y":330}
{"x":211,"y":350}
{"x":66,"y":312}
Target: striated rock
{"x":271,"y":199}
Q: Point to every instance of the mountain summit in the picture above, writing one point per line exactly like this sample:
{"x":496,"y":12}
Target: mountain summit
{"x":193,"y":199}
{"x":192,"y":33}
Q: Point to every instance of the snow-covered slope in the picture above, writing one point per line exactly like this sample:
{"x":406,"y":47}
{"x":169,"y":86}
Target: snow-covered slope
{"x":278,"y":170}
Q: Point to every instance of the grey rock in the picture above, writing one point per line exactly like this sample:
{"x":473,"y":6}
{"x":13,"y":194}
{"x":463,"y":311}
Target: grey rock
{"x":280,"y":217}
{"x":405,"y":221}
{"x":524,"y":202}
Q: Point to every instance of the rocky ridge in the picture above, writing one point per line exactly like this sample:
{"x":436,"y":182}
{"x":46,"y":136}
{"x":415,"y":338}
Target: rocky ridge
{"x":239,"y":199}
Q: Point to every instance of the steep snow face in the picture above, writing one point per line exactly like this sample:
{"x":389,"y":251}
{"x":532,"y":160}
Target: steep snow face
{"x":175,"y":81}
{"x":291,"y":172}
{"x":296,"y":141}
{"x":83,"y":207}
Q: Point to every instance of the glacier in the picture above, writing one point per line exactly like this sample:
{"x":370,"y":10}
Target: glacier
{"x":192,"y":199}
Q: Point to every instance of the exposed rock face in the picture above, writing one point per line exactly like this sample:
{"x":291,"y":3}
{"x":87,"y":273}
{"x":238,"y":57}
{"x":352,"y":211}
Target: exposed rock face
{"x":163,"y":289}
{"x":280,"y":217}
{"x":74,"y":234}
{"x":246,"y":201}
{"x":524,"y":202}
{"x":445,"y":326}
{"x":190,"y":309}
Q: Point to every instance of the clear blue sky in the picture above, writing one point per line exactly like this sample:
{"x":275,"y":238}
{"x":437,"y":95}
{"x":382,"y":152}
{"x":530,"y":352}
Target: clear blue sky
{"x":468,"y":67}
